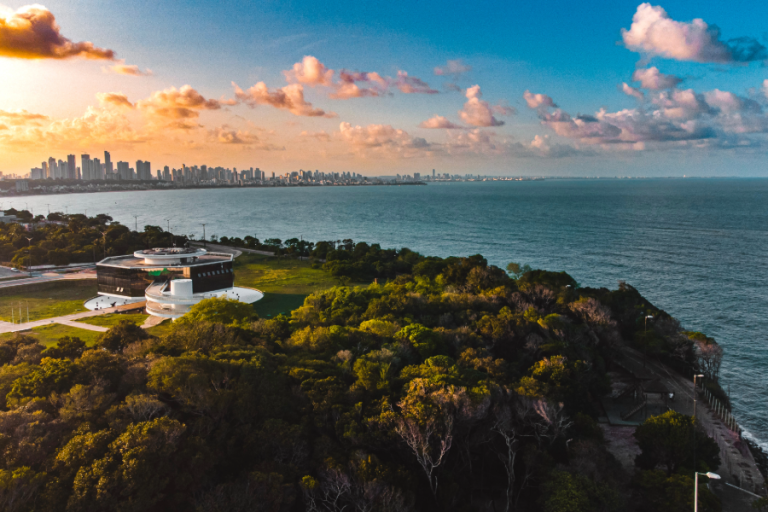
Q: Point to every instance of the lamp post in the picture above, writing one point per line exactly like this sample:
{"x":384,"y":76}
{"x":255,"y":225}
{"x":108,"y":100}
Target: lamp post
{"x":136,"y":223}
{"x":29,"y":248}
{"x":168,"y":222}
{"x":693,"y":422}
{"x":713,"y":476}
{"x":204,"y":242}
{"x":646,"y":322}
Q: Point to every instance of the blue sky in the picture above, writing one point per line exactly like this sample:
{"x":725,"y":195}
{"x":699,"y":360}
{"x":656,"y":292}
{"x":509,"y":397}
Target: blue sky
{"x":574,"y":55}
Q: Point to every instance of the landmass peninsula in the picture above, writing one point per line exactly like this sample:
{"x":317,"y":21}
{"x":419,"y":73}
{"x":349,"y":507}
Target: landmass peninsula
{"x":416,"y":383}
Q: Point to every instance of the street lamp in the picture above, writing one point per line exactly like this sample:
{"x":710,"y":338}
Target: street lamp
{"x":204,"y":243}
{"x":29,"y":248}
{"x":713,"y":476}
{"x":693,"y":422}
{"x":136,"y":223}
{"x":646,"y":322}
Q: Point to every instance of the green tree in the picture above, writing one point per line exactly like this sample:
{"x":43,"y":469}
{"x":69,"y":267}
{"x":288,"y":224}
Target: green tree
{"x":220,"y":310}
{"x":667,"y":440}
{"x":121,"y":335}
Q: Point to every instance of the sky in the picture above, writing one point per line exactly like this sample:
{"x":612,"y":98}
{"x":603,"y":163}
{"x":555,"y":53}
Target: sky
{"x":378,"y":88}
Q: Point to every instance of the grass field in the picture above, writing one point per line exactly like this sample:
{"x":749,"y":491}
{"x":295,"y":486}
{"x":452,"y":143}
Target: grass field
{"x":161,"y":329}
{"x":48,"y":335}
{"x":111,"y":320}
{"x":285,"y":283}
{"x":46,"y":300}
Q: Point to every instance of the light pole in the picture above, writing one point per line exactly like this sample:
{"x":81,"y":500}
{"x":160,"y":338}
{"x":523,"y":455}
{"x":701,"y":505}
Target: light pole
{"x":693,"y":422}
{"x":204,"y":242}
{"x":168,"y":221}
{"x":713,"y":476}
{"x":136,"y":223}
{"x":29,"y":248}
{"x":646,"y":322}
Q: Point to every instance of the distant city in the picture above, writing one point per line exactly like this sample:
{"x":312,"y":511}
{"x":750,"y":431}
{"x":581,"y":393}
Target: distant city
{"x":120,"y":173}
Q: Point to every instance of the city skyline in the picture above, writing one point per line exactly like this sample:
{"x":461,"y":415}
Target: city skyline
{"x":629,"y":89}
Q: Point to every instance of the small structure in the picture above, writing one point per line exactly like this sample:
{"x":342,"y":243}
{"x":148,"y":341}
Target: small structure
{"x":171,"y":280}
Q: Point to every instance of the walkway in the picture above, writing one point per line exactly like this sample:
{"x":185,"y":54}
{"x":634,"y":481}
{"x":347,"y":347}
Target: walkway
{"x":69,"y":320}
{"x":737,"y":466}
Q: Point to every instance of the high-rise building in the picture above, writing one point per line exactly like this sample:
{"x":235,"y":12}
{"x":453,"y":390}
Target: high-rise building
{"x":85,"y":166}
{"x":45,"y":170}
{"x":108,"y":171}
{"x":71,"y":168}
{"x":96,"y":170}
{"x":123,"y":171}
{"x":52,"y":168}
{"x":62,"y":170}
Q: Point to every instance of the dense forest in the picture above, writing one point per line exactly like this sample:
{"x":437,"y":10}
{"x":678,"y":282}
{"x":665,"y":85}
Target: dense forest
{"x":449,"y":384}
{"x":61,"y":239}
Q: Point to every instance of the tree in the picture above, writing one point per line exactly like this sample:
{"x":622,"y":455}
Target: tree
{"x":121,"y":335}
{"x":136,"y":472}
{"x":664,"y":493}
{"x":517,"y":270}
{"x":667,"y":440}
{"x":220,"y":310}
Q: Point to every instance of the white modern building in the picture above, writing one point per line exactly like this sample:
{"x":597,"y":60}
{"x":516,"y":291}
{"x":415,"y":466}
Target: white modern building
{"x":171,"y":280}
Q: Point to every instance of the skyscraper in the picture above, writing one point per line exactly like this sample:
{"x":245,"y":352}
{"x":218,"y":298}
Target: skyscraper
{"x":71,"y":168}
{"x":96,"y":173}
{"x":85,"y":167}
{"x":52,"y":168}
{"x":45,"y":170}
{"x":107,"y":166}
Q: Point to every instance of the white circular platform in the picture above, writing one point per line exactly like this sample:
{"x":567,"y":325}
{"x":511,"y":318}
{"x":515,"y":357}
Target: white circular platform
{"x":109,"y":301}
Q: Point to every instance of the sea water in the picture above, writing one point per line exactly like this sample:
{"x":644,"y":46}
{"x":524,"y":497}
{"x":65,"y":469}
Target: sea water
{"x":696,"y":248}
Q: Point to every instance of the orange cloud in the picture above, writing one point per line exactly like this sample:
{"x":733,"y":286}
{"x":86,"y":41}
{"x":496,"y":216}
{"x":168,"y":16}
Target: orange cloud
{"x":321,"y":135}
{"x":31,"y":32}
{"x":114,"y":99}
{"x":383,"y":140}
{"x":438,"y":122}
{"x":121,"y":68}
{"x":290,"y":98}
{"x":226,"y":135}
{"x":22,"y":117}
{"x":180,"y":105}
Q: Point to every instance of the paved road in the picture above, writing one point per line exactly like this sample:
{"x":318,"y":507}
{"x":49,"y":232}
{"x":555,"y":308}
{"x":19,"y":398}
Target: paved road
{"x":48,"y":277}
{"x":736,"y":468}
{"x":70,"y":319}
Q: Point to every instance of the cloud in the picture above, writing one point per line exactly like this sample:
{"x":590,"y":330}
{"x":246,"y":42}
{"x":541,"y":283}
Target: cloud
{"x":437,"y":122}
{"x":765,"y":88}
{"x":290,"y":98}
{"x":631,"y":91}
{"x":21,"y":118}
{"x":654,"y":33}
{"x":478,"y":112}
{"x":652,"y":78}
{"x":225,"y":134}
{"x":453,"y":68}
{"x":322,"y":135}
{"x":95,"y":127}
{"x":538,"y":101}
{"x":121,"y":68}
{"x":382,"y":140}
{"x":346,"y":87}
{"x":178,"y":104}
{"x":682,"y":104}
{"x":31,"y":32}
{"x":412,"y":85}
{"x":310,"y":71}
{"x":114,"y":99}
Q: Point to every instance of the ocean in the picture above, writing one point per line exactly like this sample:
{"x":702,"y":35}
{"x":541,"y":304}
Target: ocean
{"x":697,"y":248}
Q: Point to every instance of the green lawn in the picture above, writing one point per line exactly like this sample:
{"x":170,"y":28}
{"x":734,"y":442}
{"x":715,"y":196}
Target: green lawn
{"x":113,"y":319}
{"x":48,"y":335}
{"x":46,"y":300}
{"x":285,"y":282}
